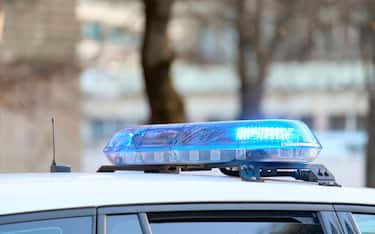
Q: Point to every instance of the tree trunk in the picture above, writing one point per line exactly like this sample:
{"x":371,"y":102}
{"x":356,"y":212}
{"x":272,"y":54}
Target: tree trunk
{"x":370,"y":149}
{"x":367,"y":43}
{"x":251,"y":61}
{"x":251,"y":101}
{"x":252,"y":72}
{"x":370,"y":157}
{"x":166,"y":105}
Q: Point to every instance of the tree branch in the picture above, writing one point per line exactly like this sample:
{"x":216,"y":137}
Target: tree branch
{"x":286,"y":14}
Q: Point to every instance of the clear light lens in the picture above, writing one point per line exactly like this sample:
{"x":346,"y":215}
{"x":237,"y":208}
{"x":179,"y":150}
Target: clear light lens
{"x":214,"y":142}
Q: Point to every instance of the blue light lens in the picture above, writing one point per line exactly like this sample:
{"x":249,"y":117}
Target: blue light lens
{"x":214,"y":142}
{"x":264,"y":133}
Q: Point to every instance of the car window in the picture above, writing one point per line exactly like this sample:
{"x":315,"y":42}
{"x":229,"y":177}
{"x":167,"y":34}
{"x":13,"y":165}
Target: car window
{"x":234,"y":227}
{"x":233,"y":222}
{"x":82,"y":225}
{"x":120,"y":224}
{"x":365,"y":222}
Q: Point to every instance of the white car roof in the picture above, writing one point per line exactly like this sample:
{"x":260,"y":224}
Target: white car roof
{"x":44,"y":191}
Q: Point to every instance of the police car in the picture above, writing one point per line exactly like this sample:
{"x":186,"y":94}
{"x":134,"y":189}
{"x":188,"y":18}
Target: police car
{"x":266,"y":184}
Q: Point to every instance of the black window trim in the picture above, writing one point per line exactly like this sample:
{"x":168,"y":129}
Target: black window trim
{"x":325,"y":210}
{"x":51,"y":214}
{"x":154,"y":207}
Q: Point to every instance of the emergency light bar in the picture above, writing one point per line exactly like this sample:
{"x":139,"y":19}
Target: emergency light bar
{"x":250,"y":149}
{"x":214,"y":142}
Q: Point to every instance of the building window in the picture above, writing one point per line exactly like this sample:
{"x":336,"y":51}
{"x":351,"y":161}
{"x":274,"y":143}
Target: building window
{"x":97,"y":129}
{"x":337,"y":122}
{"x":101,"y":129}
{"x":122,"y":37}
{"x":361,"y":122}
{"x":93,"y":31}
{"x":308,"y":120}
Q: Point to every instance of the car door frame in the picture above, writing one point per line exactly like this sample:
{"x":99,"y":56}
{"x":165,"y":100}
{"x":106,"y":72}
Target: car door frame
{"x":345,"y":215}
{"x":326,"y":213}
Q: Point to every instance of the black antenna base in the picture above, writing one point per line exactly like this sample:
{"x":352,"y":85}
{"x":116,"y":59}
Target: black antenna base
{"x":60,"y":168}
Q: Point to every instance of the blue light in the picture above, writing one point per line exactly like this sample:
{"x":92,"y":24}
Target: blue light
{"x":264,"y":133}
{"x":214,"y":142}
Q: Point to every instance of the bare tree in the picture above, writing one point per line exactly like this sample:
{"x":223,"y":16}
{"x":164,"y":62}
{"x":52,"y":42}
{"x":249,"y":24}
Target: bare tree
{"x":367,"y":43}
{"x":263,"y":28}
{"x":165,"y":103}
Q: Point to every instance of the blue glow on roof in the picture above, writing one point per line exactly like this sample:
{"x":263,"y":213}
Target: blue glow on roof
{"x":256,"y":140}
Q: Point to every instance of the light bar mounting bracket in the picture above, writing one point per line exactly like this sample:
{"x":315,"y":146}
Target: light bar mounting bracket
{"x":255,"y":171}
{"x":248,"y":171}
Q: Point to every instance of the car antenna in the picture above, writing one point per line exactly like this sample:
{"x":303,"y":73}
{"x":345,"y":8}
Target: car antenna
{"x":55,"y":167}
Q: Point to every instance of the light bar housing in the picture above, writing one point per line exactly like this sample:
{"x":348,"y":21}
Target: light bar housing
{"x":214,"y":142}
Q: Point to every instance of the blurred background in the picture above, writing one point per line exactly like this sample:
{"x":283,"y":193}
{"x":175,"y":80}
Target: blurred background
{"x":101,"y":65}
